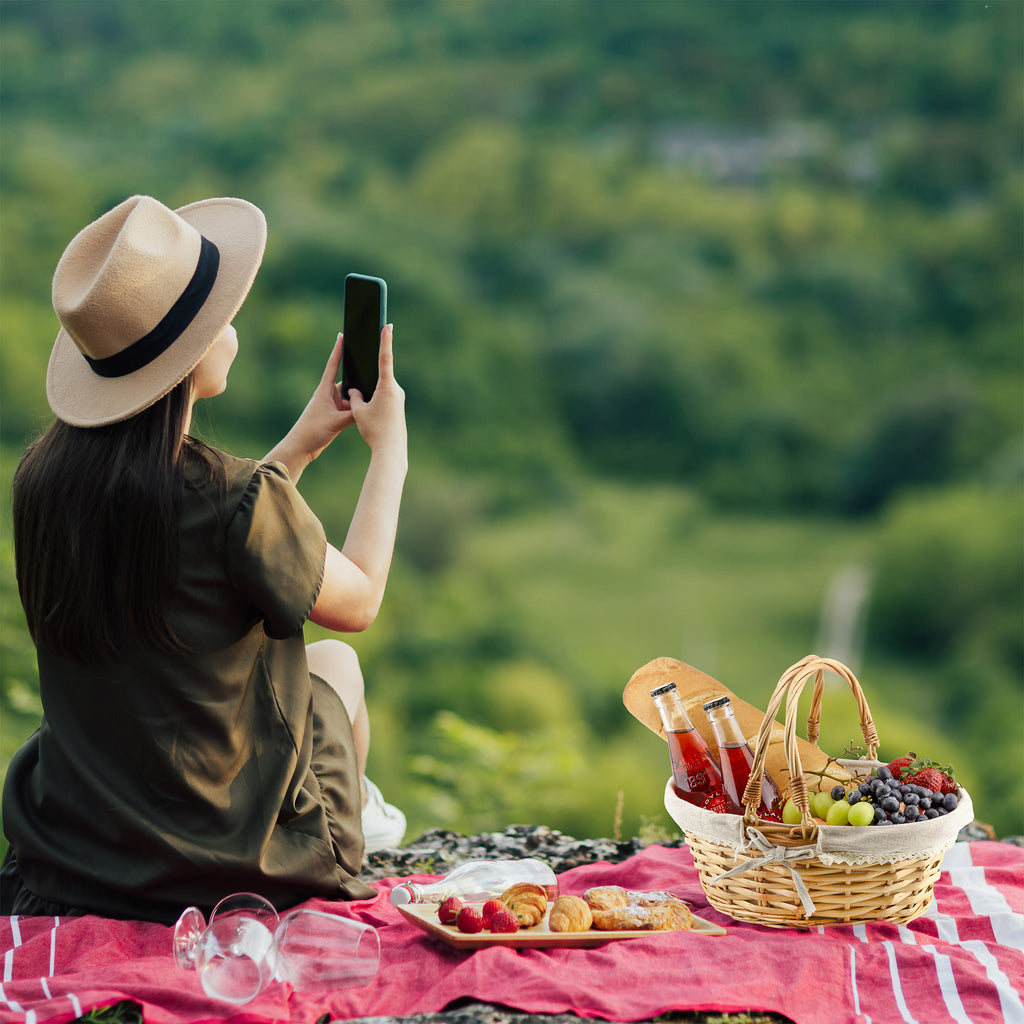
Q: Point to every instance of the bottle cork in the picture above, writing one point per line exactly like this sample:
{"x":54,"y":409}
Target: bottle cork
{"x":697,"y":688}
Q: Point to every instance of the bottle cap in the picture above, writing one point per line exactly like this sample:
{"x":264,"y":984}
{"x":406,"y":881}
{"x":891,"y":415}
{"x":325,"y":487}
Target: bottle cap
{"x":400,"y":895}
{"x":667,"y":688}
{"x":717,"y":703}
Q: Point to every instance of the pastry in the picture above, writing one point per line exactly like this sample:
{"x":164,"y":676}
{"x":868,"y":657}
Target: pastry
{"x":528,"y":901}
{"x":680,"y":916}
{"x":623,"y":919}
{"x":570,"y":914}
{"x":605,"y":897}
{"x":667,"y":917}
{"x":653,"y":899}
{"x":615,"y":908}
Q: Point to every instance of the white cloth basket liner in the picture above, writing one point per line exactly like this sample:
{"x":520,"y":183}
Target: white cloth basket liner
{"x":837,"y":844}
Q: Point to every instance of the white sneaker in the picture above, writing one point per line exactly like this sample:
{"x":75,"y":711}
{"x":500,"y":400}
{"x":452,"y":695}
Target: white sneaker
{"x":383,"y":824}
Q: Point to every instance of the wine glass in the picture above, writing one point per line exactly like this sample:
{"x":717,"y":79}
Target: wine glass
{"x":235,"y":955}
{"x":325,"y":951}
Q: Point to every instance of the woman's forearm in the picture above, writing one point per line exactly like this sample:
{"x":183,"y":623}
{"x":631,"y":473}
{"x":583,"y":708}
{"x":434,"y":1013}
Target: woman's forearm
{"x":294,"y":457}
{"x":370,"y":541}
{"x":324,"y":417}
{"x":355,"y":577}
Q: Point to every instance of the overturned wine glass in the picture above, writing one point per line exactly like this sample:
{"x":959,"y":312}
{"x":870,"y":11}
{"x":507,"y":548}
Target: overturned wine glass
{"x":246,"y":945}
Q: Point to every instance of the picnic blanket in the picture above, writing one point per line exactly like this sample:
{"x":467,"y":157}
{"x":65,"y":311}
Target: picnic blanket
{"x":962,"y":961}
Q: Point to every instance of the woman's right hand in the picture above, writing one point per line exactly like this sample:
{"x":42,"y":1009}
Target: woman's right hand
{"x":381,"y":421}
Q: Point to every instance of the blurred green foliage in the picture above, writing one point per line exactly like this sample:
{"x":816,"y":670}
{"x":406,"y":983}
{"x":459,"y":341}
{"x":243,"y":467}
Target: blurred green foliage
{"x":697,"y":304}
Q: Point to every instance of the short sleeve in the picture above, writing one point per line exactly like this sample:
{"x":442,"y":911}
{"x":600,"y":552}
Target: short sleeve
{"x":275,"y":549}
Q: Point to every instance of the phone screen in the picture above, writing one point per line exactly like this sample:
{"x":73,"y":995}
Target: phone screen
{"x":365,"y":316}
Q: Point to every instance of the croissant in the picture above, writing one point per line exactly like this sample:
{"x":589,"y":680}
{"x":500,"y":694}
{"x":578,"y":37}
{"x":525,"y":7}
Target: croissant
{"x":528,"y":901}
{"x":570,"y":914}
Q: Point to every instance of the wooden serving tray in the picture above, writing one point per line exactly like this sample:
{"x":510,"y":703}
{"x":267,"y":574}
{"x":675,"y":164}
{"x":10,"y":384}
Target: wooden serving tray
{"x":424,"y":915}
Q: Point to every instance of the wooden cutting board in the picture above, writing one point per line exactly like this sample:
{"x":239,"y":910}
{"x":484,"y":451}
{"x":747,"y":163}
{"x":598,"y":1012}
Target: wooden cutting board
{"x":540,"y":936}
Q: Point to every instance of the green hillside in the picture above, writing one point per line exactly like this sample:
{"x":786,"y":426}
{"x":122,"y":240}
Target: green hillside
{"x":709,"y":316}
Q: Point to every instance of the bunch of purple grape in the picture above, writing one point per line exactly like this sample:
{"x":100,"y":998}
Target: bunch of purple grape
{"x":894,"y":802}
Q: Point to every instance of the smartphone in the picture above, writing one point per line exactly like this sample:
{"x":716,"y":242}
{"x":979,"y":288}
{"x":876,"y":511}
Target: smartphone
{"x":366,"y":311}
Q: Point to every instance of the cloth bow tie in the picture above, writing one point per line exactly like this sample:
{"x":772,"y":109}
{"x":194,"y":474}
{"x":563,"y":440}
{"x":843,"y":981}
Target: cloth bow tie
{"x":771,"y":853}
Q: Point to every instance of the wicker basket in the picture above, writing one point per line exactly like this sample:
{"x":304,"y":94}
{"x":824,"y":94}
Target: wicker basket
{"x":806,"y":875}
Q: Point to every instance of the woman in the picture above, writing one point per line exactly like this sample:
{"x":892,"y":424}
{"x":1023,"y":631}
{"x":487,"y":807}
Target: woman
{"x":191,"y":744}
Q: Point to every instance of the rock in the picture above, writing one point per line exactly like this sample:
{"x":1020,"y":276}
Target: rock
{"x":978,"y":830}
{"x":439,"y":851}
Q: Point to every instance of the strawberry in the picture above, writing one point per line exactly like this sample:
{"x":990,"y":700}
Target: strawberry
{"x":449,"y":910}
{"x":489,"y":909}
{"x":504,"y":922}
{"x":939,"y":780}
{"x":901,"y":764}
{"x":469,"y":920}
{"x":930,"y":778}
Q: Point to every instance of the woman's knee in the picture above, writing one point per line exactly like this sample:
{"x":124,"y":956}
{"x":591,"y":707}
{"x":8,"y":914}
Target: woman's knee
{"x":337,"y":664}
{"x":334,"y":654}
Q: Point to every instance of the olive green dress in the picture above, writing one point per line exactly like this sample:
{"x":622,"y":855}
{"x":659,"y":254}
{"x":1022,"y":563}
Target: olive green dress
{"x":169,"y":780}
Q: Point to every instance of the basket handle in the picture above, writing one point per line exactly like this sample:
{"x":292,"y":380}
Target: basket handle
{"x":790,"y":686}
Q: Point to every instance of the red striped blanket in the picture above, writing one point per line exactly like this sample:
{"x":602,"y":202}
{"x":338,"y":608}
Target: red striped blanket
{"x":963,"y":961}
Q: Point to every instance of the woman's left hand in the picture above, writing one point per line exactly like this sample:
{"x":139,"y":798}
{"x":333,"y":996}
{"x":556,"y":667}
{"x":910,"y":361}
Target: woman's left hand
{"x":326,"y":415}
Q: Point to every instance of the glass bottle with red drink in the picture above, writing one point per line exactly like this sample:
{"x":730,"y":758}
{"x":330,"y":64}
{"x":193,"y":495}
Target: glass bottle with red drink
{"x":696,"y":777}
{"x":736,"y":758}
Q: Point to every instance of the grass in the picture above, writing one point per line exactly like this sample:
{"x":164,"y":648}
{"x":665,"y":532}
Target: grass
{"x":634,"y":573}
{"x":599,"y":586}
{"x":119,"y":1013}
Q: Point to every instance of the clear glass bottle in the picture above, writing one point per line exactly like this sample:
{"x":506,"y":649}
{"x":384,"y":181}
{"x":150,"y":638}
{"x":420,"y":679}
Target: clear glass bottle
{"x":696,"y":776}
{"x":478,"y":880}
{"x":736,"y":758}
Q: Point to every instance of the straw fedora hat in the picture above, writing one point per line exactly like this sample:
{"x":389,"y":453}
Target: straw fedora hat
{"x":141,"y":295}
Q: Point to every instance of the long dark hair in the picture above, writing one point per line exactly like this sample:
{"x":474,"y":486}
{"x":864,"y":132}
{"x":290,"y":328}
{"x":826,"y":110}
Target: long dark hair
{"x":96,"y":514}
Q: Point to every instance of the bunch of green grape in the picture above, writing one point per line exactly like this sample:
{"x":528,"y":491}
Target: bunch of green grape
{"x":834,"y":808}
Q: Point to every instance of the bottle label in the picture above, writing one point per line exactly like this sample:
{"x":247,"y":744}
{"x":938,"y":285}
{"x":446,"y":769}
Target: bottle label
{"x":716,"y":802}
